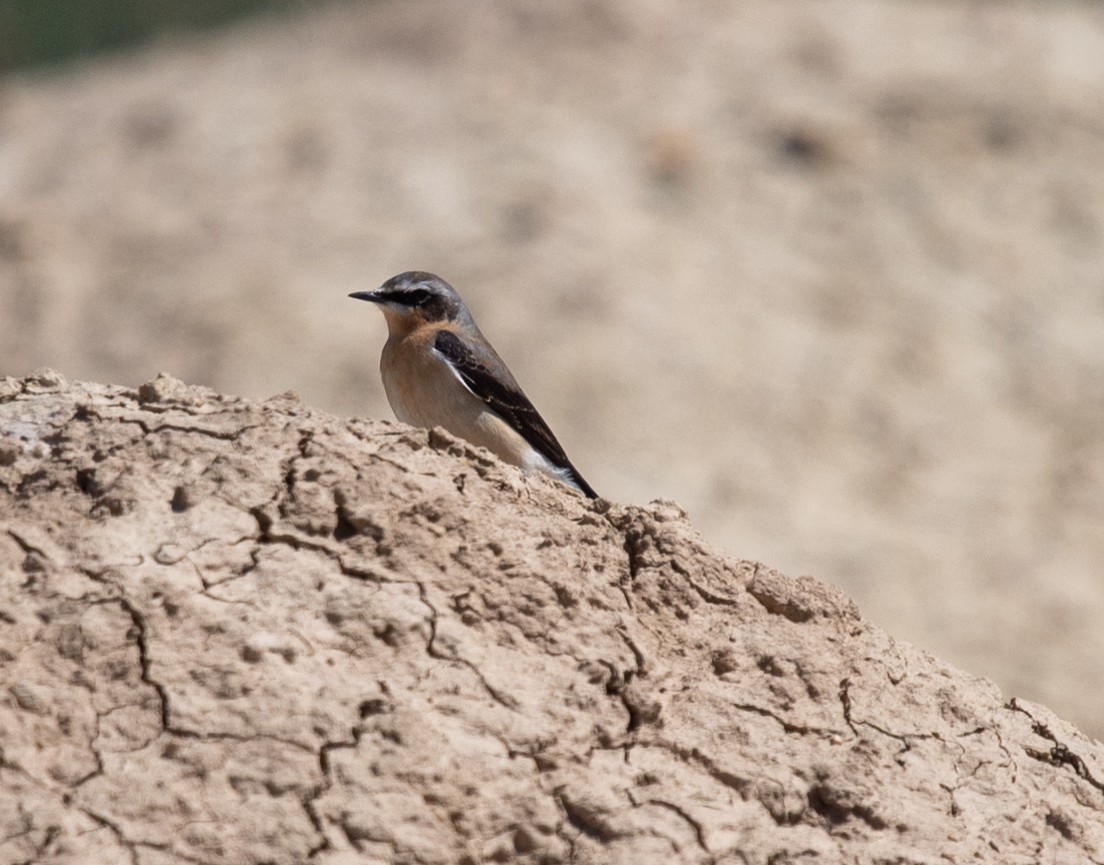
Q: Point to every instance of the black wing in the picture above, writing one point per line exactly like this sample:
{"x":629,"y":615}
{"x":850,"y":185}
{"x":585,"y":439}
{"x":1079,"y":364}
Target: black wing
{"x":503,"y":396}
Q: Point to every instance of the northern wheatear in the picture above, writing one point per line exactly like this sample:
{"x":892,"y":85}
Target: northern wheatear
{"x":439,"y":370}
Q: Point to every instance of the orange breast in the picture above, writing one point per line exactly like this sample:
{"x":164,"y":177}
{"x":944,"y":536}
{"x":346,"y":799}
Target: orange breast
{"x":424,"y":391}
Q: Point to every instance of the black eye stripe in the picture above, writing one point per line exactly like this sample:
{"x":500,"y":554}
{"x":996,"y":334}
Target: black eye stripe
{"x":418,"y":297}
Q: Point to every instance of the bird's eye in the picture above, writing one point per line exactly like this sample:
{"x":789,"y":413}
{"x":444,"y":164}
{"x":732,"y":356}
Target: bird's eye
{"x":418,"y":297}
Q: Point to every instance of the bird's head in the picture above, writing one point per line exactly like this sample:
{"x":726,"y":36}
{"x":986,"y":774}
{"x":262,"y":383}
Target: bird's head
{"x":414,"y":298}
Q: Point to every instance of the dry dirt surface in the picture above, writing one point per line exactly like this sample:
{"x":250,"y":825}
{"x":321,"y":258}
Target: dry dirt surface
{"x":242,"y":632}
{"x":826,"y":272}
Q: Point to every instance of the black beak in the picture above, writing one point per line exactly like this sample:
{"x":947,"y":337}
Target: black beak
{"x":370,"y":296}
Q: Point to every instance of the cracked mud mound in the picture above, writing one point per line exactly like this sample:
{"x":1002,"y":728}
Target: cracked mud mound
{"x":245,"y":632}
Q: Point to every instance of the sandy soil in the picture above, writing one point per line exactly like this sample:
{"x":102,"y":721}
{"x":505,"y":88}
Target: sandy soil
{"x":829,"y":274}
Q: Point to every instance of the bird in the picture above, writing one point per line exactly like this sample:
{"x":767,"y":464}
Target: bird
{"x":439,"y":370}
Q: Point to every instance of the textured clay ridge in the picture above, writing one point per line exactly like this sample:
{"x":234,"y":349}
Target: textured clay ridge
{"x":236,"y":632}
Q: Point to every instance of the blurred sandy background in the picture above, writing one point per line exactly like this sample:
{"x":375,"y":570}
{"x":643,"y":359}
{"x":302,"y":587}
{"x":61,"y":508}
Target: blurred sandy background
{"x":829,"y":274}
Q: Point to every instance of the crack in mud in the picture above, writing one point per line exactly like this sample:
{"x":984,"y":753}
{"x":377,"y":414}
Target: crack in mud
{"x":1059,"y":754}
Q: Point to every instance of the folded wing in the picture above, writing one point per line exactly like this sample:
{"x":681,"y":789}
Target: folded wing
{"x":498,"y":389}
